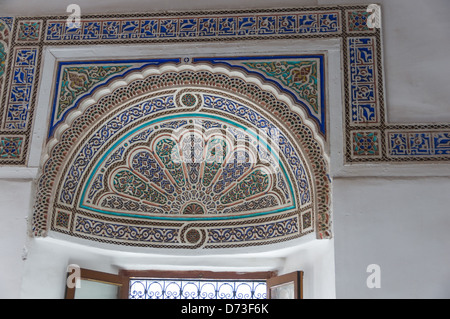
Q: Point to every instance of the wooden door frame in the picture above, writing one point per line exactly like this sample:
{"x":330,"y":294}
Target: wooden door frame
{"x":101,"y":277}
{"x":296,"y":277}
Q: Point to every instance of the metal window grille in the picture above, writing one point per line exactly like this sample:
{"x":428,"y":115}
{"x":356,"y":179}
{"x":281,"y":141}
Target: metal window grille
{"x":150,"y":288}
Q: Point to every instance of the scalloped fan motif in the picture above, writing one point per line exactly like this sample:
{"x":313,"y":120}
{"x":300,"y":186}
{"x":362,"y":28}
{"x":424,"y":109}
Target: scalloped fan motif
{"x":195,"y":174}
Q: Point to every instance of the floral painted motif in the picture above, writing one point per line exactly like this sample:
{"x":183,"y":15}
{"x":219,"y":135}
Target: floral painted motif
{"x":162,"y":175}
{"x":127,"y":183}
{"x":254,"y":184}
{"x":2,"y":58}
{"x":301,"y":77}
{"x":76,"y":80}
{"x":3,"y":48}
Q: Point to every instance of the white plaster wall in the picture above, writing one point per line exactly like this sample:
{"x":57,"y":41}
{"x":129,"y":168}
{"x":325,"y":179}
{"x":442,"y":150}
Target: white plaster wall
{"x":316,"y":260}
{"x":15,"y":203}
{"x":402,"y":225}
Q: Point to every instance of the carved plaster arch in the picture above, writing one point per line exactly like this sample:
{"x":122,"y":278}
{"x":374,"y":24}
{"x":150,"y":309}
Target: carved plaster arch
{"x":93,"y":152}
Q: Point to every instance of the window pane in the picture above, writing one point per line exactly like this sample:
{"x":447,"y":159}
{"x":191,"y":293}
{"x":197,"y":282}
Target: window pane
{"x":148,"y":288}
{"x":96,"y":290}
{"x":284,"y":291}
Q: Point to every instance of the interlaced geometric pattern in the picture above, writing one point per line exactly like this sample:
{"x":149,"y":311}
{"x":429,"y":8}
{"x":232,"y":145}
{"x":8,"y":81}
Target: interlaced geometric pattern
{"x":10,"y":147}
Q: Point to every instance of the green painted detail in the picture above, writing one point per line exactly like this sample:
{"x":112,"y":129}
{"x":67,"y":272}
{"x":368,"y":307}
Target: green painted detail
{"x":300,"y":76}
{"x":215,"y":156}
{"x":2,"y":59}
{"x":3,"y":32}
{"x":167,"y":150}
{"x":76,"y":80}
{"x":29,"y":31}
{"x":255,"y":183}
{"x":128,"y":183}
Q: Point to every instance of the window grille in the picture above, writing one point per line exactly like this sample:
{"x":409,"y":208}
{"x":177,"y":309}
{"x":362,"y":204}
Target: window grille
{"x":150,"y":288}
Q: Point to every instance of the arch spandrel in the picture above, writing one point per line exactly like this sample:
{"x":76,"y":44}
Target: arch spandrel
{"x":171,"y":157}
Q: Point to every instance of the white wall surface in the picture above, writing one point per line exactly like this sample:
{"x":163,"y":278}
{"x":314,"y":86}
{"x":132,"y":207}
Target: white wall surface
{"x":400,"y":224}
{"x":15,"y":203}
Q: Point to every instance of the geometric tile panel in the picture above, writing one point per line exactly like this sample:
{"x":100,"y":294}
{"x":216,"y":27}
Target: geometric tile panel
{"x":29,"y":31}
{"x":240,"y":25}
{"x":418,"y":143}
{"x":366,"y":144}
{"x":11,"y":147}
{"x":363,"y":79}
{"x":18,"y":105}
{"x":357,"y":21}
